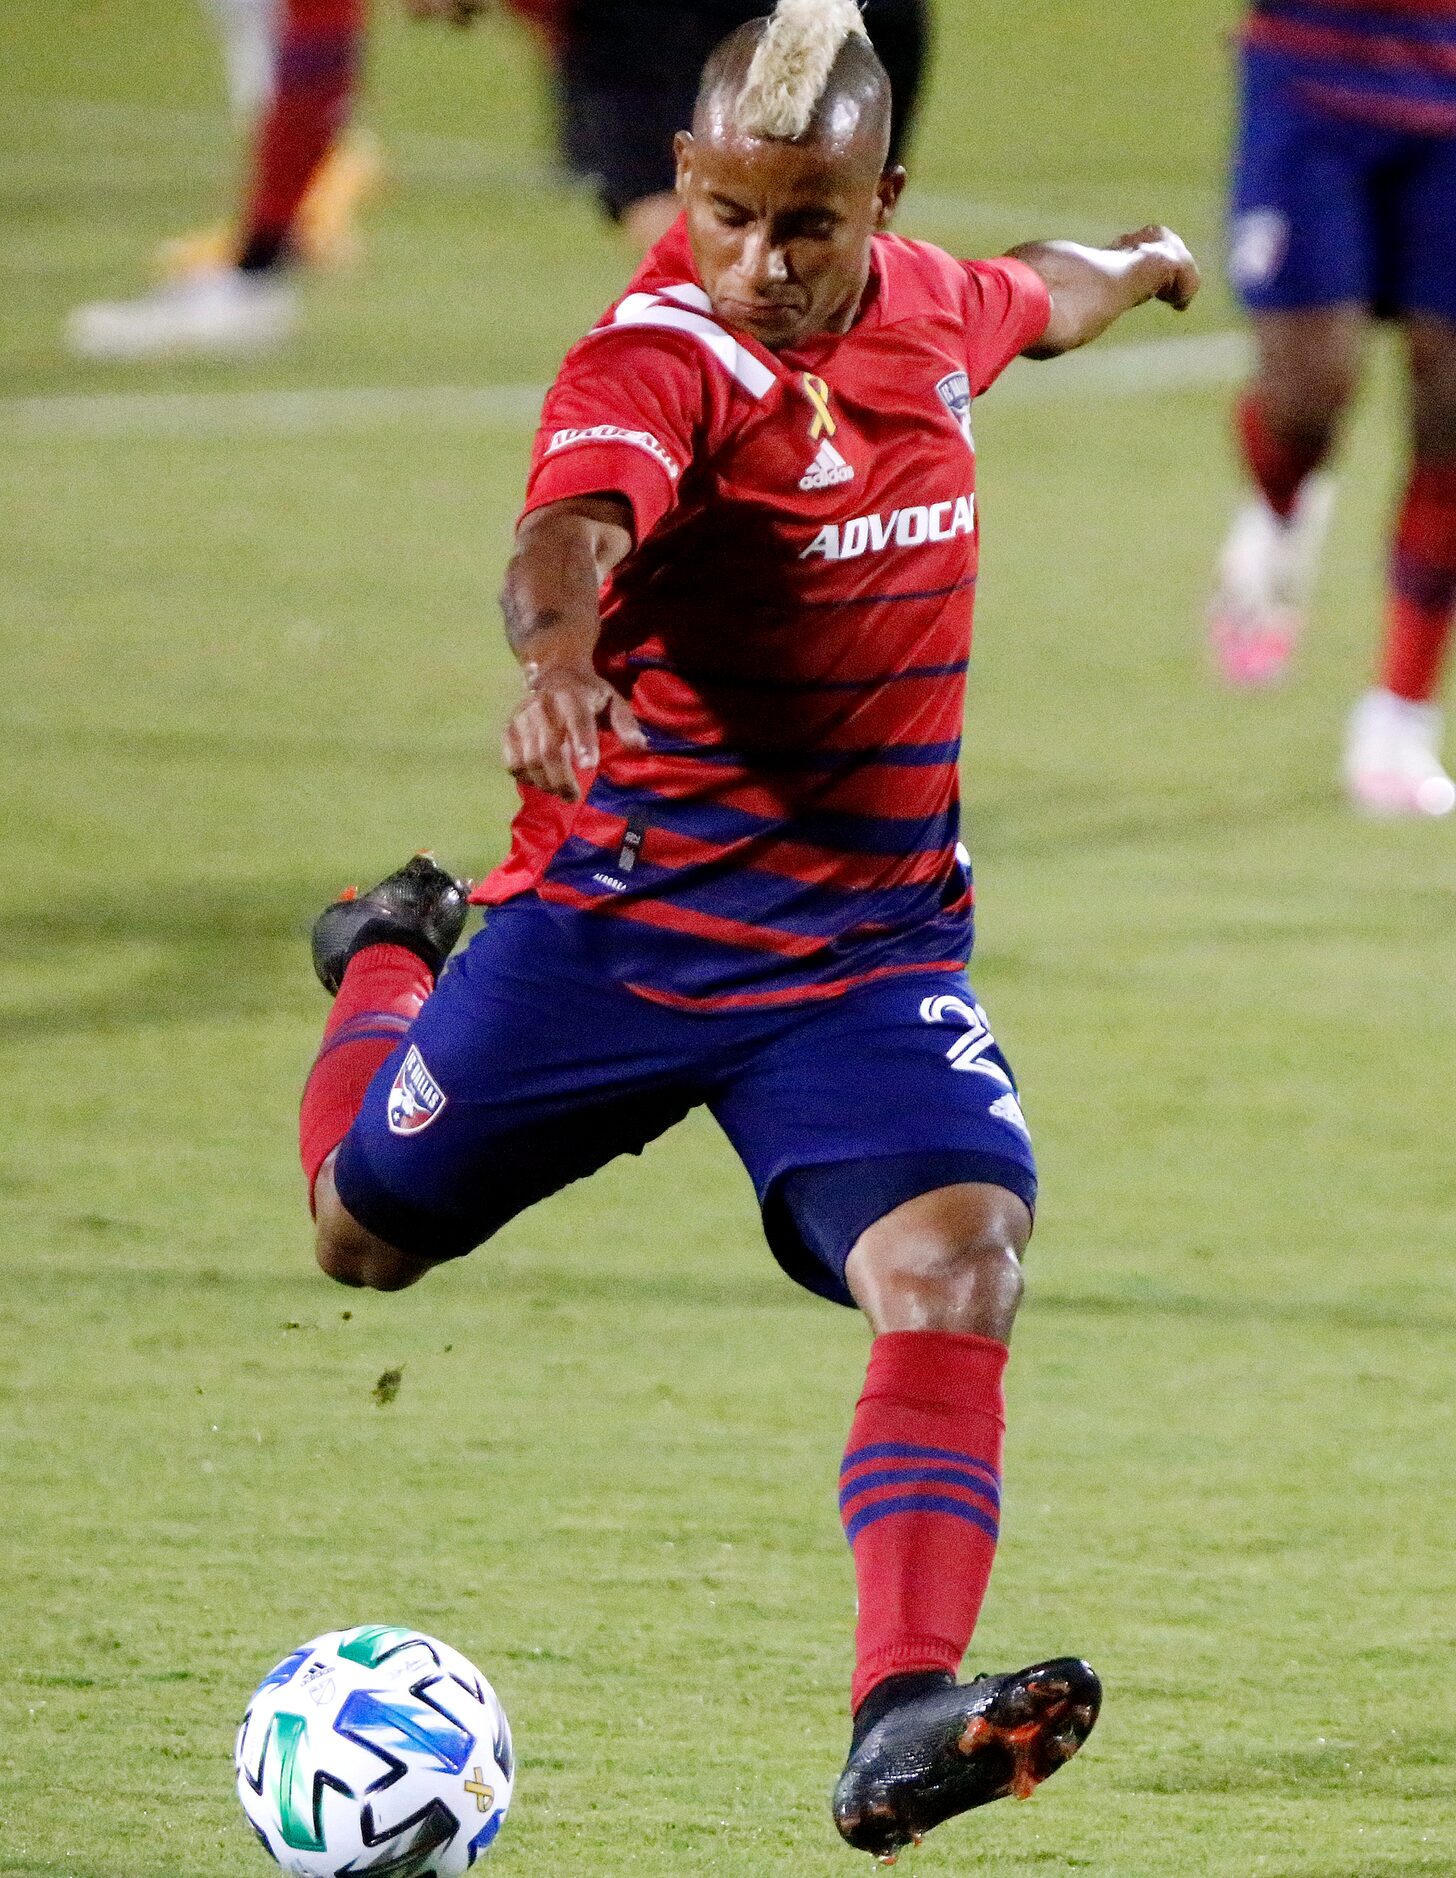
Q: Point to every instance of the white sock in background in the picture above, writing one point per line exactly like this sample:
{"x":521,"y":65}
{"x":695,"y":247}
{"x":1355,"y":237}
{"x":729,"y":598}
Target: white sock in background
{"x":249,"y":31}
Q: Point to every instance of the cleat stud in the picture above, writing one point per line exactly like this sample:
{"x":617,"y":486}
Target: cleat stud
{"x":349,"y":893}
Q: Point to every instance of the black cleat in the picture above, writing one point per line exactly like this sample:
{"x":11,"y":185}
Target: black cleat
{"x":944,"y":1752}
{"x":420,"y":907}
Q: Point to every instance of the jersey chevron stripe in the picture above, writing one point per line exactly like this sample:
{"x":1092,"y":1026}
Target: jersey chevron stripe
{"x":1384,"y":53}
{"x":803,"y":991}
{"x":664,"y":913}
{"x":645,"y":309}
{"x":828,"y":761}
{"x":763,"y":901}
{"x":761,"y":681}
{"x":791,"y":860}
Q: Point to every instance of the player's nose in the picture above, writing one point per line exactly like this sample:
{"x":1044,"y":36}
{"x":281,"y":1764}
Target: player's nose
{"x":763,"y":262}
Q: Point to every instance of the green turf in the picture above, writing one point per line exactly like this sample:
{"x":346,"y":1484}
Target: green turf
{"x":238,"y":668}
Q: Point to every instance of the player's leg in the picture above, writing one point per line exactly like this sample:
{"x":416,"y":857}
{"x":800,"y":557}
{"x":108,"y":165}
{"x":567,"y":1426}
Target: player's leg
{"x":379,"y":955}
{"x":249,"y":33}
{"x":434,"y":1116}
{"x":920,"y":1218}
{"x":245,"y":303}
{"x":319,"y":56}
{"x":1301,"y":257}
{"x":627,"y":75}
{"x":1392,"y":756}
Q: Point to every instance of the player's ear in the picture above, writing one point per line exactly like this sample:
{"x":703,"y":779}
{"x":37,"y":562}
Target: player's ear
{"x":887,"y":194}
{"x":682,"y":150}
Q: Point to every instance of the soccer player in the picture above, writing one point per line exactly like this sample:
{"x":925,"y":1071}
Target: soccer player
{"x":1344,"y":207}
{"x":741,"y":597}
{"x":245,"y":300}
{"x":627,"y":77}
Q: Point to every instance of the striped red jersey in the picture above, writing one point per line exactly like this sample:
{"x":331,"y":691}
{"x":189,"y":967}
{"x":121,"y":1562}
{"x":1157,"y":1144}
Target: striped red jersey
{"x":792,"y":629}
{"x":1385,"y":62}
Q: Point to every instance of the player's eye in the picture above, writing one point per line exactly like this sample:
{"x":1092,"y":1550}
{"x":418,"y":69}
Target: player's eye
{"x":730,"y":213}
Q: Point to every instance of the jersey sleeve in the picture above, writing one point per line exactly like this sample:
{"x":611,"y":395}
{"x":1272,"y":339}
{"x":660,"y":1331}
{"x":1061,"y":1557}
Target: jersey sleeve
{"x":1007,"y":310}
{"x":623,"y":418}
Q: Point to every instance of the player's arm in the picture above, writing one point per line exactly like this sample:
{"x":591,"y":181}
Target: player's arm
{"x":551,"y":601}
{"x":1090,"y":288}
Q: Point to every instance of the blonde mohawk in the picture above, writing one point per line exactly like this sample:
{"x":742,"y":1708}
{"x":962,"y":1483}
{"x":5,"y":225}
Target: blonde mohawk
{"x":791,"y":66}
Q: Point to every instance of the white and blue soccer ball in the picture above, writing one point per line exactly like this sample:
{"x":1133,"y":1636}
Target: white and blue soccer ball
{"x":378,"y":1750}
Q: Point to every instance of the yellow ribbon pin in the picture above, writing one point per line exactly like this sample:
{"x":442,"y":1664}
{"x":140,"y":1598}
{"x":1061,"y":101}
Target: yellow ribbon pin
{"x":817,"y":392}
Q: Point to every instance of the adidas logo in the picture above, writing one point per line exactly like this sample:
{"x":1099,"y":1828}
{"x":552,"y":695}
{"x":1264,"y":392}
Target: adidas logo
{"x":828,"y":469}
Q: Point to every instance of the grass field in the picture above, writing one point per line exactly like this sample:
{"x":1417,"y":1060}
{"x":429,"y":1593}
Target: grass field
{"x":249,"y":652}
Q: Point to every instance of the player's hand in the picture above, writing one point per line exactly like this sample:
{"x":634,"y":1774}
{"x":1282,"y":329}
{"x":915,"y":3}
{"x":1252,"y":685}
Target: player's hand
{"x":552,"y":733}
{"x":1168,"y":254}
{"x":453,"y":12}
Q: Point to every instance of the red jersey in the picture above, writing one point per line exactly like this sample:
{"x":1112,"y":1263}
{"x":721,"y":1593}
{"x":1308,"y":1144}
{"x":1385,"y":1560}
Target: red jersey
{"x":792,"y":629}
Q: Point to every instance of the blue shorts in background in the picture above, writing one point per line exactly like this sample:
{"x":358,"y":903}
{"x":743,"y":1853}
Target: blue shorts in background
{"x":1327,"y":210}
{"x":530,"y":1067}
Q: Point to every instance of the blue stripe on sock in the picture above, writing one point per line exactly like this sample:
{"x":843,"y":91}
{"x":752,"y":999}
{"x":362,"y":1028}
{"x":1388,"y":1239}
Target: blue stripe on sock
{"x":364,"y":1032}
{"x":920,"y":1503}
{"x":911,"y":1451}
{"x":941,"y":1475}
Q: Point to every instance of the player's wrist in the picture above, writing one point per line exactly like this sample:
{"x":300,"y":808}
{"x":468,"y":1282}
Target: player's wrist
{"x":550,"y":672}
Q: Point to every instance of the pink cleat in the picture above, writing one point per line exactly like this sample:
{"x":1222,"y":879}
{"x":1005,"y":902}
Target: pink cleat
{"x":1391,"y":764}
{"x":1266,"y":573}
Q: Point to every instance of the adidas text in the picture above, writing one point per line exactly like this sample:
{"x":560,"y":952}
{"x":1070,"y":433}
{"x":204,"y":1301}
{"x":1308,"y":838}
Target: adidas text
{"x":827,"y":470}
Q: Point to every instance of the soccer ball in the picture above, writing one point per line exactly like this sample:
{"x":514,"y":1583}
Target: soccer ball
{"x":375,"y":1750}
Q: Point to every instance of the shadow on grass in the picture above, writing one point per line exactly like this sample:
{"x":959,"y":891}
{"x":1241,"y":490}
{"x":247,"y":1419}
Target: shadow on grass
{"x":219,"y":952}
{"x":545,"y":1287}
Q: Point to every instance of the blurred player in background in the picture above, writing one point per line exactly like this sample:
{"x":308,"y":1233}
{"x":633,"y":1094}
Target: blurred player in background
{"x":323,"y":231}
{"x":741,"y":597}
{"x":1344,"y":211}
{"x":627,"y":76}
{"x":241,"y":298}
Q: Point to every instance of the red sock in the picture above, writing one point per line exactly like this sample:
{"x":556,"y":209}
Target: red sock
{"x":318,"y":63}
{"x":920,"y":1496}
{"x":379,"y":999}
{"x":1277,"y":464}
{"x":1422,"y":584}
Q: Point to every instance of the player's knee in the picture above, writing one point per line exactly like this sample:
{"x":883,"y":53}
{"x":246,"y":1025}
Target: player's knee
{"x":1309,"y":372}
{"x":351,"y":1255}
{"x":369,"y":1266}
{"x":1432,"y":353}
{"x":1305,"y":407}
{"x":949,"y":1260}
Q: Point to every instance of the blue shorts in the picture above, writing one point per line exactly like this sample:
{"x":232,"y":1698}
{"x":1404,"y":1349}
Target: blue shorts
{"x":530,"y":1067}
{"x":1327,"y":210}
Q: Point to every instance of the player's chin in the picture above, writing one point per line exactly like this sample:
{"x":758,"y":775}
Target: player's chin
{"x":773,"y":327}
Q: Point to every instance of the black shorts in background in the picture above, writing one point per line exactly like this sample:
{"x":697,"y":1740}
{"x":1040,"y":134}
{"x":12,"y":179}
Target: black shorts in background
{"x":629,"y":75}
